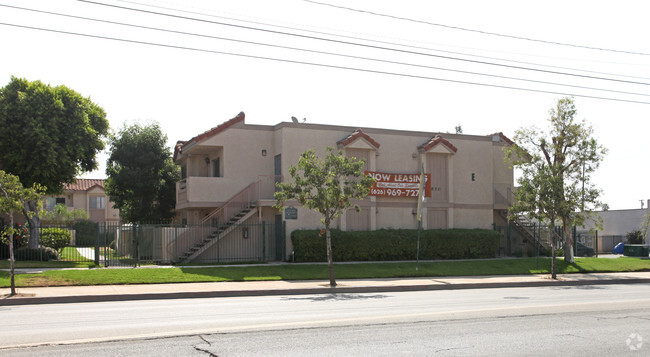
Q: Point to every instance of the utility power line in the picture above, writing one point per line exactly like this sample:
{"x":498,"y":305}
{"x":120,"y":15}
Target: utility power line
{"x":320,"y":52}
{"x":476,"y":31}
{"x":322,"y":65}
{"x":364,"y":45}
{"x":396,"y":43}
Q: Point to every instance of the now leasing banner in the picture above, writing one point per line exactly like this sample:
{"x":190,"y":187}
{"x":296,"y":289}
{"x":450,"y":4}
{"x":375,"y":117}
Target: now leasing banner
{"x":398,"y":185}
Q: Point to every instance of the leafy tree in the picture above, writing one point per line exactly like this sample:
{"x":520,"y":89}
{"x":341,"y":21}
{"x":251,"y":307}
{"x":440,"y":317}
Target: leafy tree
{"x":141,"y":176}
{"x":48,"y":135}
{"x":556,"y":167}
{"x":645,"y":226}
{"x":326,"y":186}
{"x":62,"y":216}
{"x":12,"y":200}
{"x":635,"y":237}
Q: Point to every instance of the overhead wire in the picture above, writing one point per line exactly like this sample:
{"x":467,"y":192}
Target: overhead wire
{"x":324,"y":65}
{"x":390,"y":43}
{"x":316,"y":51}
{"x":476,"y":31}
{"x":363,"y":45}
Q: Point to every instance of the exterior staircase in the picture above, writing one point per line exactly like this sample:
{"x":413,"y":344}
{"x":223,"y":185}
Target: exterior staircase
{"x":527,"y":231}
{"x":217,"y":233}
{"x":220,"y":222}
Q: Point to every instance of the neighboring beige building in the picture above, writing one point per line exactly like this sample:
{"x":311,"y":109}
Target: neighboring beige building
{"x":616,"y":224}
{"x":228,"y":174}
{"x":88,"y":195}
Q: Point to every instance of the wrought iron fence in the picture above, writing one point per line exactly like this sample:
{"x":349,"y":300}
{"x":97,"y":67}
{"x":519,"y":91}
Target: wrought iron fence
{"x":119,"y":244}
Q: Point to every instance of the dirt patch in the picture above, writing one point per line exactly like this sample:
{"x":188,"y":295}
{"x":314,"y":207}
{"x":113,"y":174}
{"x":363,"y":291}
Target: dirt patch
{"x":35,"y":281}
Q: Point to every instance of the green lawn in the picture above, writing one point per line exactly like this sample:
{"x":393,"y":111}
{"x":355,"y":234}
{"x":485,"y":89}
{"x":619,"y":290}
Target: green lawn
{"x":314,"y":271}
{"x":72,"y":254}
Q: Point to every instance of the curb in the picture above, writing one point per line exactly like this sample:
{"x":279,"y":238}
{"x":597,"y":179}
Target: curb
{"x":8,"y":301}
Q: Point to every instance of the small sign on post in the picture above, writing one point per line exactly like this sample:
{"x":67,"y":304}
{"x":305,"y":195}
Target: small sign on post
{"x":291,"y":213}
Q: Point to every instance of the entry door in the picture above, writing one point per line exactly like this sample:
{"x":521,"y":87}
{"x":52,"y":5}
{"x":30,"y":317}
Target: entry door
{"x":438,"y":168}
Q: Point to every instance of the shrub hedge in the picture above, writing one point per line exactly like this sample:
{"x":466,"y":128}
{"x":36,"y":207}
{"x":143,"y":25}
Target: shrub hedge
{"x":396,"y":244}
{"x":86,"y":231}
{"x":57,"y":238}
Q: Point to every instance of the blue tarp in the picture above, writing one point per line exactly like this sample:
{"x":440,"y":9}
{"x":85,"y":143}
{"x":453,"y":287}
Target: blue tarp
{"x":618,"y":249}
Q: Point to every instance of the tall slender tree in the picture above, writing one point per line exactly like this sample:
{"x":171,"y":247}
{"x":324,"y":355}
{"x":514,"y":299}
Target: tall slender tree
{"x":141,"y":176}
{"x":556,"y":167}
{"x":48,"y":136}
{"x":326,"y":186}
{"x":12,"y":200}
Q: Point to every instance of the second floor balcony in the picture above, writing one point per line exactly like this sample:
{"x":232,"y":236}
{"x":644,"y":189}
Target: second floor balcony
{"x":206,"y":192}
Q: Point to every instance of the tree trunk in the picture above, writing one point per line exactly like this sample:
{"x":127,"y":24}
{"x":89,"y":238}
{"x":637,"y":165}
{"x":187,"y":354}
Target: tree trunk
{"x":330,"y":263}
{"x":12,"y":257}
{"x":553,"y":252}
{"x":568,"y":244}
{"x":34,"y":224}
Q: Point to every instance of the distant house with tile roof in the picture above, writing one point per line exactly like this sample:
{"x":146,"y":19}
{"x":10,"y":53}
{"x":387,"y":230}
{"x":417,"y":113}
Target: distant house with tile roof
{"x":88,"y":195}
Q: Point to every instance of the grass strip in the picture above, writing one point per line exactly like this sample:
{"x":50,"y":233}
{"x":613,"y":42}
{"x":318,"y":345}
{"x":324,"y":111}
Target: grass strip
{"x":319,"y":271}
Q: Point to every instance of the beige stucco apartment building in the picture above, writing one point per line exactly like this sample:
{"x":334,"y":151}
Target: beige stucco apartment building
{"x":229,"y":171}
{"x":88,"y":195}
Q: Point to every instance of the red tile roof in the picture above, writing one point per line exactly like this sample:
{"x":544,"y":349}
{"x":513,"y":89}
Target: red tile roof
{"x":435,"y":141}
{"x":83,"y":184}
{"x":207,"y":134}
{"x":356,"y":135}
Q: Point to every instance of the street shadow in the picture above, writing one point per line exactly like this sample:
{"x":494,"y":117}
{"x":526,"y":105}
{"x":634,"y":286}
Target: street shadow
{"x":336,"y":297}
{"x":516,"y":297}
{"x":578,"y":287}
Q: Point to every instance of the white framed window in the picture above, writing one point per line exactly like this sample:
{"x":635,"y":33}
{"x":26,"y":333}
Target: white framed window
{"x":96,"y":202}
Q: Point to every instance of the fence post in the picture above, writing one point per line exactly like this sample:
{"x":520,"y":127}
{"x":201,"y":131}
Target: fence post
{"x":263,"y":241}
{"x":508,"y":242}
{"x":175,"y":257}
{"x":284,"y":240}
{"x":137,"y":245}
{"x":97,"y":245}
{"x":537,"y":241}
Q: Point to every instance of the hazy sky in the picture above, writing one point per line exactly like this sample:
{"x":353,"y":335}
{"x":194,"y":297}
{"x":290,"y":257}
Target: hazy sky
{"x":410,"y":65}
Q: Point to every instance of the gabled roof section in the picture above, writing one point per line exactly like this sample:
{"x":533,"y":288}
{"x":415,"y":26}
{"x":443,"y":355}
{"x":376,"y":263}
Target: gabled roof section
{"x":357,"y":134}
{"x":437,"y":140}
{"x":500,"y":137}
{"x":83,"y":185}
{"x":210,"y":133}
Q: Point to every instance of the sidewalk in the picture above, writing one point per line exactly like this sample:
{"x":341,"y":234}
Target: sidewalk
{"x":69,"y":294}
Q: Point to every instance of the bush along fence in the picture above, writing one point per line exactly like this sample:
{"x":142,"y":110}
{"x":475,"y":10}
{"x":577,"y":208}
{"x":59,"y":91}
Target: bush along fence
{"x":119,"y":244}
{"x":395,"y":244}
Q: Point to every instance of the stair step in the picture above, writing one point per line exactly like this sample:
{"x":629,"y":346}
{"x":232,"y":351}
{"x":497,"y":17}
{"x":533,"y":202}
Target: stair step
{"x":215,"y":235}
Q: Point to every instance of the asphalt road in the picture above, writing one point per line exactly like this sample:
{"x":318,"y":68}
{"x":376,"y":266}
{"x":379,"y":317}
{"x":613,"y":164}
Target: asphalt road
{"x":586,"y":320}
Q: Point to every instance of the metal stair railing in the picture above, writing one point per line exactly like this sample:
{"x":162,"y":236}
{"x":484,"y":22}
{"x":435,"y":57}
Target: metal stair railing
{"x":216,"y":235}
{"x":245,"y":199}
{"x":199,"y":235}
{"x":526,"y":229}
